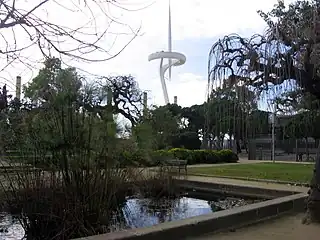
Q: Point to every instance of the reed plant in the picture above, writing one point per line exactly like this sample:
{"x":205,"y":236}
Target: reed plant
{"x":71,"y":183}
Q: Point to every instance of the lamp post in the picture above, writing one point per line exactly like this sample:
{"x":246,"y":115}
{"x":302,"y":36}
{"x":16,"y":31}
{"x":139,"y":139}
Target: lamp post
{"x":273,"y":137}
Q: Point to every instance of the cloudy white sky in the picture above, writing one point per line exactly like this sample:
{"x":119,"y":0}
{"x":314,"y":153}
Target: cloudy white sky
{"x":196,"y":25}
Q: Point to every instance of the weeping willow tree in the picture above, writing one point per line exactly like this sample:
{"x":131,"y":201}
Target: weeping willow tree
{"x":227,"y":115}
{"x":281,"y":67}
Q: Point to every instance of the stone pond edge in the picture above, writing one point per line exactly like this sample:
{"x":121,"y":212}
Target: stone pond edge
{"x":213,"y":222}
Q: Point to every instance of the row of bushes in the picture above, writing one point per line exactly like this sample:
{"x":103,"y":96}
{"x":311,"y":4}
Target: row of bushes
{"x":198,"y":156}
{"x":192,"y":156}
{"x":142,"y":158}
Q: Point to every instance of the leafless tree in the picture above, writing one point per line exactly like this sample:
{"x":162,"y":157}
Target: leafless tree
{"x":74,"y":29}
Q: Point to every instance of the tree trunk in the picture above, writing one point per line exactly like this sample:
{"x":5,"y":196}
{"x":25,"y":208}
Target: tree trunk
{"x":237,"y":142}
{"x":313,"y":200}
{"x":238,"y":146}
{"x":245,"y":145}
{"x":307,"y":147}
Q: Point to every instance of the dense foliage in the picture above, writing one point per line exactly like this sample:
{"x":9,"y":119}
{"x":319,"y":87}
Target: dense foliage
{"x":197,"y":156}
{"x":175,"y":127}
{"x":66,"y":128}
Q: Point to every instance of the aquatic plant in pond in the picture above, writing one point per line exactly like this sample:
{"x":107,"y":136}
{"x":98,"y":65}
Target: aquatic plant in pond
{"x":144,"y":212}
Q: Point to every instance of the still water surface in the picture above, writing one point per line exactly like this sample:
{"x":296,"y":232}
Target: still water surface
{"x":141,"y":212}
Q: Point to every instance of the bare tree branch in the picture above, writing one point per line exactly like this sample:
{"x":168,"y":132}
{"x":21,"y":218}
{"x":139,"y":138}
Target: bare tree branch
{"x":51,"y":37}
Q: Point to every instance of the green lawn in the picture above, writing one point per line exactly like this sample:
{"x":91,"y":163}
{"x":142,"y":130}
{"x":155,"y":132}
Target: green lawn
{"x":291,"y":172}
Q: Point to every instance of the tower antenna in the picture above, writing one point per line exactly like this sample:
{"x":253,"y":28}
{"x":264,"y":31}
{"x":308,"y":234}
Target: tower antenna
{"x":169,"y":40}
{"x":174,"y":59}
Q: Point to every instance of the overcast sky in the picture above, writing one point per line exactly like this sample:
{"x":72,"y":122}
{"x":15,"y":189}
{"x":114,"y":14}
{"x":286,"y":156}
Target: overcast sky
{"x":196,"y":25}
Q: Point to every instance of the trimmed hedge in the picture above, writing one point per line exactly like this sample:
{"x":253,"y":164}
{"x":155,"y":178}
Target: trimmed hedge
{"x":138,"y":158}
{"x":197,"y":156}
{"x":134,"y":158}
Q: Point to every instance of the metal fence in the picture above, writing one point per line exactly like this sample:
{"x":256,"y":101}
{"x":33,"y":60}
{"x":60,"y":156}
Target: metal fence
{"x":288,"y":149}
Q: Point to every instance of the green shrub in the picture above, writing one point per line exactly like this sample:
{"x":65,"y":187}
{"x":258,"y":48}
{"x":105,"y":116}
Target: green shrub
{"x":163,"y":153}
{"x":199,"y":156}
{"x":160,"y":156}
{"x":213,"y":156}
{"x":133,"y":158}
{"x":205,"y":156}
{"x":226,"y":155}
{"x":181,"y":153}
{"x":140,"y":158}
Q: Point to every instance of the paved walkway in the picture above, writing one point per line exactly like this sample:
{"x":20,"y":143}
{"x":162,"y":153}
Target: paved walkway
{"x":241,"y":161}
{"x":246,"y":161}
{"x":266,"y":185}
{"x":284,"y":228}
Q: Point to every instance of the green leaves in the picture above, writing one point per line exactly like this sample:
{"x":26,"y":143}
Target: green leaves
{"x":230,"y":109}
{"x":63,"y":115}
{"x":200,"y":156}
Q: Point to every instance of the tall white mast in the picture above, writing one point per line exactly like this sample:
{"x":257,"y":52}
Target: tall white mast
{"x":174,"y":59}
{"x":169,"y":40}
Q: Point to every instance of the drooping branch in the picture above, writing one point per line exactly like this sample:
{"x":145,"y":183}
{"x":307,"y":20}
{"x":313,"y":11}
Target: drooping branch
{"x":257,"y":62}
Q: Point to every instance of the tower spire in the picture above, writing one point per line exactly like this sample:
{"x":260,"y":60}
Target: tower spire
{"x":169,"y":40}
{"x":174,"y":59}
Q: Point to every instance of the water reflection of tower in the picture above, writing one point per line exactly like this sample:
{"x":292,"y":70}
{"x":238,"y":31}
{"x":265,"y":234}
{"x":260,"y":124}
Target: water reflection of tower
{"x":174,"y":59}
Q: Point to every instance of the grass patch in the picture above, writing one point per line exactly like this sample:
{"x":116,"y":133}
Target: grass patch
{"x":290,"y":172}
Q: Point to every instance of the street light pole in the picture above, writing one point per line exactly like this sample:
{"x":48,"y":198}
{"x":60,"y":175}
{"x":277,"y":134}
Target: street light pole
{"x":273,"y":135}
{"x":273,"y":123}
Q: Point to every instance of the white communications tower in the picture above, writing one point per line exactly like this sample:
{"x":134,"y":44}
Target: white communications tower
{"x":174,"y":59}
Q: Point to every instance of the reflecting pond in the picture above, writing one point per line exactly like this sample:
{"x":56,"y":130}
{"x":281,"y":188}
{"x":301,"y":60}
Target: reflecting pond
{"x":142,"y":212}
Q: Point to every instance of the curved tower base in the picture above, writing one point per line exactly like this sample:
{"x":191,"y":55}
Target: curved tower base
{"x":176,"y":58}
